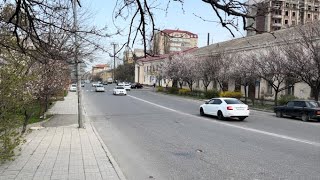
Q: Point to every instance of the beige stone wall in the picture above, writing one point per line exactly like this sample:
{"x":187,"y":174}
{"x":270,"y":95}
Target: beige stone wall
{"x":302,"y":91}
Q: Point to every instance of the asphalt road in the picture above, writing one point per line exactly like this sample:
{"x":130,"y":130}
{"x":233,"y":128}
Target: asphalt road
{"x":156,"y":136}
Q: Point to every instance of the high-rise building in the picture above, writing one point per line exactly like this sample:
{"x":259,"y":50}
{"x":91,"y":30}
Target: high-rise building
{"x":170,"y":41}
{"x":272,"y":15}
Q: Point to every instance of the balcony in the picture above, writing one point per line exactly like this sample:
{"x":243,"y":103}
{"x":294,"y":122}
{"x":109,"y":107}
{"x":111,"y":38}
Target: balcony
{"x":276,"y":16}
{"x":277,"y":25}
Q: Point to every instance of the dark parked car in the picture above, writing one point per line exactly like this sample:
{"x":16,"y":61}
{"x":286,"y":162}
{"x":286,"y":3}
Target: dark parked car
{"x":303,"y":109}
{"x":136,"y":86}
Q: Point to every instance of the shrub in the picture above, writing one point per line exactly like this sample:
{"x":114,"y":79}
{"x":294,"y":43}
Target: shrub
{"x":65,"y":93}
{"x":173,"y":90}
{"x":196,"y":93}
{"x":211,"y":94}
{"x":184,"y":91}
{"x":160,"y":89}
{"x":284,"y":99}
{"x":231,"y":94}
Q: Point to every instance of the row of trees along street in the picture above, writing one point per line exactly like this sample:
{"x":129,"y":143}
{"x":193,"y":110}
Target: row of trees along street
{"x":293,"y":59}
{"x":36,"y":53}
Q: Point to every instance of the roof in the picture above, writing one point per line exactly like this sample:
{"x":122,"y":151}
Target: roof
{"x":169,"y":31}
{"x":247,"y":43}
{"x":100,"y":66}
{"x":159,"y":57}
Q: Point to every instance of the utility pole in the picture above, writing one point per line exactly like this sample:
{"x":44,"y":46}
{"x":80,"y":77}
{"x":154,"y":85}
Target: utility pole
{"x":77,"y":63}
{"x":114,"y":61}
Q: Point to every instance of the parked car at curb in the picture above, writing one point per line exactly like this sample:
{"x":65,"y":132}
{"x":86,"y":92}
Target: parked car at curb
{"x":119,"y":90}
{"x":100,"y":88}
{"x":225,"y":108}
{"x":73,"y":88}
{"x":136,"y":86}
{"x":304,"y":109}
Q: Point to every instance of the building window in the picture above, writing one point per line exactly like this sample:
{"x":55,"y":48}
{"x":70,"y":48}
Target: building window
{"x":269,"y":89}
{"x":285,"y":21}
{"x":293,"y":14}
{"x":287,"y":4}
{"x":315,"y":17}
{"x":293,"y":23}
{"x":197,"y":83}
{"x":287,"y":13}
{"x":294,"y":6}
{"x":309,"y":16}
{"x":309,"y":8}
{"x":316,"y":9}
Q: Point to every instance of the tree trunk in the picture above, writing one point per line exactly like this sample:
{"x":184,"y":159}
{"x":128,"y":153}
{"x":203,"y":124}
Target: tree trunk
{"x":276,"y":92}
{"x":245,"y":95}
{"x":175,"y":83}
{"x":316,"y":94}
{"x":25,"y":122}
{"x":180,"y":84}
{"x":190,"y":86}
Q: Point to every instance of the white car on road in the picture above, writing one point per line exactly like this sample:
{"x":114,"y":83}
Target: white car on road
{"x":225,"y":108}
{"x":119,"y":90}
{"x":94,"y":84}
{"x":127,"y":87}
{"x":100,"y":88}
{"x":73,"y":88}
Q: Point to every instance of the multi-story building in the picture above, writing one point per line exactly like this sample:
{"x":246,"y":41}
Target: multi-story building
{"x":130,"y":56}
{"x":170,"y":41}
{"x":272,"y":15}
{"x":99,"y":67}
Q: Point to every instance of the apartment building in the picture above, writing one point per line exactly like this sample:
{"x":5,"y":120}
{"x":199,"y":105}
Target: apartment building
{"x":273,"y":15}
{"x":169,"y":41}
{"x":130,"y":56}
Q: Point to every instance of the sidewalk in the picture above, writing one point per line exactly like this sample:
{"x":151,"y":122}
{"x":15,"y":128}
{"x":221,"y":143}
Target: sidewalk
{"x":63,"y":152}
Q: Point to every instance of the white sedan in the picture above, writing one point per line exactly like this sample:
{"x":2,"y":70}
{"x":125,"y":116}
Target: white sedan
{"x":127,"y":87}
{"x":225,"y":108}
{"x":73,"y":88}
{"x":100,"y":88}
{"x":119,"y":90}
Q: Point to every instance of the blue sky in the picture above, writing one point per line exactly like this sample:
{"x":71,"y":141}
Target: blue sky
{"x":101,"y":14}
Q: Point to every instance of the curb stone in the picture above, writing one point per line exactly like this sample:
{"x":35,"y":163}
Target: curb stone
{"x":105,"y":148}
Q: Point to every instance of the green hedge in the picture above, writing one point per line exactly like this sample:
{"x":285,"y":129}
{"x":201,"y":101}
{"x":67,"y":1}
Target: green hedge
{"x":184,"y":91}
{"x":284,"y":99}
{"x":211,"y":94}
{"x":231,"y":94}
{"x":160,"y":89}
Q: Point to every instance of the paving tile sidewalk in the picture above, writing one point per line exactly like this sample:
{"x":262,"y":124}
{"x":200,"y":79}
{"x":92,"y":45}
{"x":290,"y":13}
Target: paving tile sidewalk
{"x":63,"y":152}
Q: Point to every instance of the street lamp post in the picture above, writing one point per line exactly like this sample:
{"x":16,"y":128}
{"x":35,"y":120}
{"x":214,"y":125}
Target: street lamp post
{"x":77,"y":63}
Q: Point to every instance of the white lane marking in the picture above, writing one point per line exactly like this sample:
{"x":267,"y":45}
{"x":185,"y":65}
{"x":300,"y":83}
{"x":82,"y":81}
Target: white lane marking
{"x":235,"y":126}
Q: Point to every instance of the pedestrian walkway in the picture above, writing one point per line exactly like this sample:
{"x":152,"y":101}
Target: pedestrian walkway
{"x":63,"y":152}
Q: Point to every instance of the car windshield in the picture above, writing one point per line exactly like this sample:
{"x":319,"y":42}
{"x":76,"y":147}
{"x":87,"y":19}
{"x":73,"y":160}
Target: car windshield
{"x":99,"y":85}
{"x":233,"y":101}
{"x":74,"y":85}
{"x":119,"y":88}
{"x":313,"y":104}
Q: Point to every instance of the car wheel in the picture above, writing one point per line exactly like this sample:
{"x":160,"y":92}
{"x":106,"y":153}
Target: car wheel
{"x":279,"y":114}
{"x":305,"y":117}
{"x":242,"y":118}
{"x":220,"y":115}
{"x":201,"y":112}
